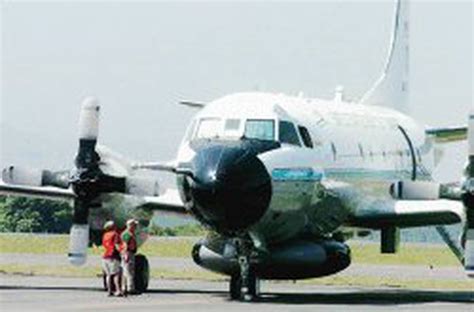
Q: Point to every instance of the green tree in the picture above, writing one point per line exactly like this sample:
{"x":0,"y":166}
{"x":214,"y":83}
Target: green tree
{"x":34,"y":215}
{"x":180,"y":230}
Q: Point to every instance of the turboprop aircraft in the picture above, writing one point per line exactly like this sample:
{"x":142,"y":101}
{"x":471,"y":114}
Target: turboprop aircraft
{"x":280,"y":182}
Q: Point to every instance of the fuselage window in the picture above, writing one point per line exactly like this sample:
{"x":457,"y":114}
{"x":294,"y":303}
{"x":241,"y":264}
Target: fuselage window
{"x":260,"y":129}
{"x":308,"y":142}
{"x":208,"y":128}
{"x":288,"y":133}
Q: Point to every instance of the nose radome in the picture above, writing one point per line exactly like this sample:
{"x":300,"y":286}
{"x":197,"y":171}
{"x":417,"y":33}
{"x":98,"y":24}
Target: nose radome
{"x":231,"y":187}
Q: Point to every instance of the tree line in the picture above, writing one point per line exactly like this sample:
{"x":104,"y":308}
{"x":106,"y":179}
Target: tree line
{"x":19,"y":214}
{"x":27,"y":215}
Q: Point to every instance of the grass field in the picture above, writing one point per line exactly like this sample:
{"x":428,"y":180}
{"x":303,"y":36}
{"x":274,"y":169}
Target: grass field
{"x":363,"y":253}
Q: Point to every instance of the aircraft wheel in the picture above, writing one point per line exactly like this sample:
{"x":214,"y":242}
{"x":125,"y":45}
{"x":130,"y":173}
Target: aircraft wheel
{"x":142,"y":273}
{"x":253,"y":286}
{"x":235,"y":287}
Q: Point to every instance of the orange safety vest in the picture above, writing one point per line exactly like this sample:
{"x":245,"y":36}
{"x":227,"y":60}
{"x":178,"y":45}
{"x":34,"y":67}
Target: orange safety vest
{"x":109,"y":240}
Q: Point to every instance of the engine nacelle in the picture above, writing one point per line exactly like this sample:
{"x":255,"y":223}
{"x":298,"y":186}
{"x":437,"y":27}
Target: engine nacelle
{"x":142,"y":186}
{"x":296,"y":260}
{"x":415,"y":190}
{"x":22,"y":176}
{"x":114,"y":164}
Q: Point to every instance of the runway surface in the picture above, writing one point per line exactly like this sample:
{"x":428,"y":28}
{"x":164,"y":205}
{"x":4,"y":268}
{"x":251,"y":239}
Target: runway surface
{"x":32,"y":293}
{"x":420,"y":272}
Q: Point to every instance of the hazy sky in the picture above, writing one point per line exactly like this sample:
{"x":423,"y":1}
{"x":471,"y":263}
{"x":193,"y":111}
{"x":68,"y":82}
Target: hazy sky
{"x":141,"y":58}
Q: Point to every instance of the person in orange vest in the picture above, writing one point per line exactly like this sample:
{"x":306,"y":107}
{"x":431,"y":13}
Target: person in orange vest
{"x":111,"y":258}
{"x":129,"y":249}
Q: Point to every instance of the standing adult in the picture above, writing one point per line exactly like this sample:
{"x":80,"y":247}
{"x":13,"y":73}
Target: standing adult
{"x":111,"y":259}
{"x":129,"y":249}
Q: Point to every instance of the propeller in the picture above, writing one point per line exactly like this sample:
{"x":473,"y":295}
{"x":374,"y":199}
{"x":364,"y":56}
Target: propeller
{"x":91,"y":177}
{"x":467,"y":197}
{"x":88,"y":181}
{"x":83,"y":180}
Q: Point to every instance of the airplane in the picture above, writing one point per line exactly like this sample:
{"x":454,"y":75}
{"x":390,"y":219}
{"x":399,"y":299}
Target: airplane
{"x":280,"y":182}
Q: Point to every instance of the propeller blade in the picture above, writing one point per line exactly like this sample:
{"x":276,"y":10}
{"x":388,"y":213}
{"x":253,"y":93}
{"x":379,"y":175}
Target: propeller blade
{"x":78,"y":243}
{"x":87,"y":158}
{"x":468,"y":199}
{"x":470,"y":142}
{"x":87,"y":165}
{"x":79,"y":234}
{"x":35,"y":177}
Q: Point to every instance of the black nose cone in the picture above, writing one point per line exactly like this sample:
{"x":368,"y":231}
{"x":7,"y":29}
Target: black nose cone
{"x":231,"y":188}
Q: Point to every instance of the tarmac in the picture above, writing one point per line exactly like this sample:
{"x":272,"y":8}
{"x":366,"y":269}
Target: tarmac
{"x":34,"y":293}
{"x":417,"y":272}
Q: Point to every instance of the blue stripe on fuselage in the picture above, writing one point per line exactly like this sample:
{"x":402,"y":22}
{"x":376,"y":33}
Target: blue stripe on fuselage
{"x":296,"y":174}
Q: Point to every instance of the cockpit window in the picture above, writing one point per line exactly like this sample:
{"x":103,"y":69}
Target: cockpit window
{"x":288,"y":133}
{"x":190,"y":131}
{"x":308,"y":142}
{"x":260,"y":129}
{"x":232,"y":128}
{"x":232,"y":125}
{"x":208,"y":128}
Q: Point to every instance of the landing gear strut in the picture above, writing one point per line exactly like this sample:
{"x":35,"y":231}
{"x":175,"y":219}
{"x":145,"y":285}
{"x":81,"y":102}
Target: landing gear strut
{"x":244,"y":285}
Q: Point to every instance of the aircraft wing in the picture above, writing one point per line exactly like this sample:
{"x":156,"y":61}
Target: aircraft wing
{"x":169,"y":166}
{"x":37,"y":192}
{"x":408,"y":213}
{"x":168,"y":202}
{"x":448,"y":134}
{"x":381,"y":212}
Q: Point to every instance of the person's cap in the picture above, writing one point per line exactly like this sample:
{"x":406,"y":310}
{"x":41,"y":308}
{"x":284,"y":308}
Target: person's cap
{"x":109,"y":224}
{"x":132,"y":221}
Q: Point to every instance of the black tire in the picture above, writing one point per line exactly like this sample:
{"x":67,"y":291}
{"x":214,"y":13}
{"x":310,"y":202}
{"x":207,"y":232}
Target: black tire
{"x":142,"y":273}
{"x":235,"y":287}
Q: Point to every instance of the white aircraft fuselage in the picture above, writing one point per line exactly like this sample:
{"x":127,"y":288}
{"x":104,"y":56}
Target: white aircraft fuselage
{"x":372,"y":145}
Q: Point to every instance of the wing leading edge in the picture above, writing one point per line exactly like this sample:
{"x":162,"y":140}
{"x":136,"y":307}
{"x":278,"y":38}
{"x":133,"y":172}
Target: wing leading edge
{"x":36,"y":192}
{"x":408,"y":213}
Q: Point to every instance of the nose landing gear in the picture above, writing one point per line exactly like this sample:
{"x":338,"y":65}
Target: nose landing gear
{"x":244,"y":285}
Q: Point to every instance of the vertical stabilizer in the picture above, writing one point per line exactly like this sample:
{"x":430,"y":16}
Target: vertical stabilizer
{"x":391,"y":89}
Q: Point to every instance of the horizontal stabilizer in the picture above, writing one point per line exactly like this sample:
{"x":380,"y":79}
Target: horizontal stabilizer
{"x":192,"y":104}
{"x":449,"y":134}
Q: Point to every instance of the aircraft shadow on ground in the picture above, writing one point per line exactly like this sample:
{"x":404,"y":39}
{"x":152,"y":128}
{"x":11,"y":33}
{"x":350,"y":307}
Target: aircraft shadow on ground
{"x":51,"y":288}
{"x":377,"y":297}
{"x":385,"y":297}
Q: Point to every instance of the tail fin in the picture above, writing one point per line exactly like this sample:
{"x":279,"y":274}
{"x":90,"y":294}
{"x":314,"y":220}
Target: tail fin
{"x":391,"y":89}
